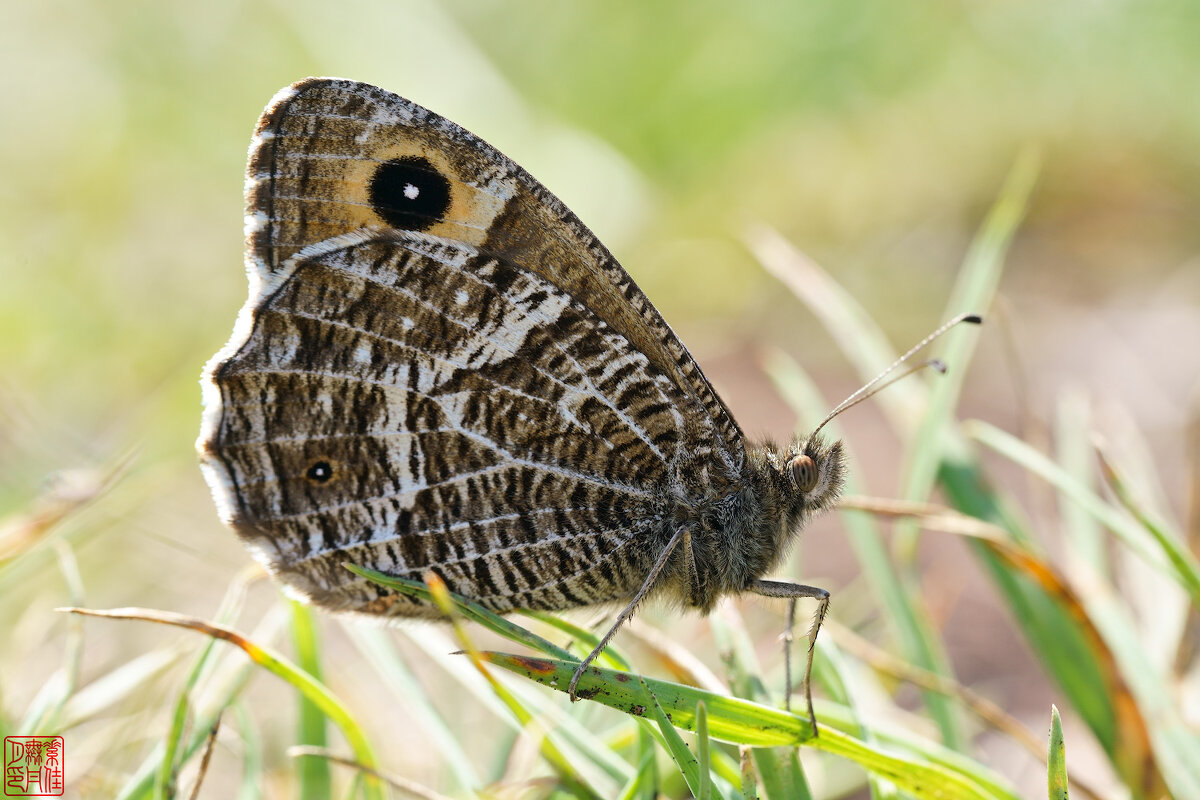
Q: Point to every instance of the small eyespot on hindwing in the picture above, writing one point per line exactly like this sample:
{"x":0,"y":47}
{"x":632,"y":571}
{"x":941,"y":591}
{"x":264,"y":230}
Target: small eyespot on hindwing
{"x":319,"y":472}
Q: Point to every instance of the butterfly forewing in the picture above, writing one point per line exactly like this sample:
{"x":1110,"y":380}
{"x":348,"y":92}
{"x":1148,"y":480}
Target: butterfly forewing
{"x":332,"y":156}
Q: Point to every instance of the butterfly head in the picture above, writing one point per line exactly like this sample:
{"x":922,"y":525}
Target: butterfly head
{"x":791,"y":484}
{"x":813,"y":471}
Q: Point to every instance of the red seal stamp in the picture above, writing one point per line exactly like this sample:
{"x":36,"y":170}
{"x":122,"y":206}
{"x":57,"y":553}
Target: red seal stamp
{"x":34,"y":766}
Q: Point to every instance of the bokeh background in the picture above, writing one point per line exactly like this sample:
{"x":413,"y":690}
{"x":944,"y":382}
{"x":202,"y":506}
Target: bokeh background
{"x":873,"y":136}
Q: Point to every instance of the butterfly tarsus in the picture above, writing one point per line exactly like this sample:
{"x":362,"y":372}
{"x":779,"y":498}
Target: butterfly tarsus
{"x":793,"y":592}
{"x":627,"y":612}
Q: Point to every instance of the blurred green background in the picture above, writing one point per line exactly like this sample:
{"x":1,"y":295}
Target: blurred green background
{"x":872,"y":135}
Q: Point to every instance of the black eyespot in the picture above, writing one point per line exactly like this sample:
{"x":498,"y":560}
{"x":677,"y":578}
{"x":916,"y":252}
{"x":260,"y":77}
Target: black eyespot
{"x":804,"y":472}
{"x":319,"y":472}
{"x":409,"y":193}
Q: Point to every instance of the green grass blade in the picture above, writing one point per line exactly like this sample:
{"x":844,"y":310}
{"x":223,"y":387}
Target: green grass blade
{"x":1067,"y":644}
{"x":140,"y":785}
{"x":313,"y":774}
{"x":573,"y":736}
{"x":584,"y":640}
{"x":1154,"y":714}
{"x":726,"y":771}
{"x":379,"y":651}
{"x":566,"y":764}
{"x":644,"y":784}
{"x":925,"y":780}
{"x":1073,"y":450}
{"x":1056,"y":761}
{"x":779,"y":767}
{"x":742,"y":722}
{"x":566,"y":734}
{"x":230,"y":606}
{"x":743,"y":672}
{"x":165,"y":783}
{"x":702,"y":759}
{"x":1179,"y":563}
{"x":893,"y":739}
{"x":469,"y":608}
{"x":1187,"y":569}
{"x":731,"y":719}
{"x":1175,"y":746}
{"x":689,"y":766}
{"x":118,"y":685}
{"x":833,"y":667}
{"x":252,"y":757}
{"x":278,"y":665}
{"x":782,"y":776}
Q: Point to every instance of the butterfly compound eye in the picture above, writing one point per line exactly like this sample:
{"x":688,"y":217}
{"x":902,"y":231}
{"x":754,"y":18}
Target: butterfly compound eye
{"x":804,"y":472}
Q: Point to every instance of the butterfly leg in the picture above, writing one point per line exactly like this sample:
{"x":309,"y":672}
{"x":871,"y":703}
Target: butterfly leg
{"x":627,"y":612}
{"x":792,"y":592}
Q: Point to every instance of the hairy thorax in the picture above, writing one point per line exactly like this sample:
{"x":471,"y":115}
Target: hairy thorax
{"x":742,"y":522}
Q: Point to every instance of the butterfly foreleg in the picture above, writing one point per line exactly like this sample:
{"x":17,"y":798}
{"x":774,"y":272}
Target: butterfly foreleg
{"x":627,"y":612}
{"x":793,"y":592}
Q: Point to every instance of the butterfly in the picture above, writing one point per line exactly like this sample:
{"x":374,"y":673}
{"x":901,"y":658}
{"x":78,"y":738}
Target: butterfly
{"x":440,"y":369}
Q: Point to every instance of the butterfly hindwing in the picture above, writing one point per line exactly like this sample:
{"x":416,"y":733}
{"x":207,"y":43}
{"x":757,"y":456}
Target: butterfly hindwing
{"x":417,"y":404}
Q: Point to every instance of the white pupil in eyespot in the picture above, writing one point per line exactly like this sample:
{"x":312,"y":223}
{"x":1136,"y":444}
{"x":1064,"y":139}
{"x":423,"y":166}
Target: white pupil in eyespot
{"x":411,"y":192}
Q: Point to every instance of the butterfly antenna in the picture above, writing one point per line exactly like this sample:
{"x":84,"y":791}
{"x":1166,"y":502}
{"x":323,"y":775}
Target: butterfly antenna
{"x":873,"y":386}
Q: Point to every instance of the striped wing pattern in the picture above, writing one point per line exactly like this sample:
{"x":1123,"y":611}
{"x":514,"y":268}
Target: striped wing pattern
{"x":463,"y":396}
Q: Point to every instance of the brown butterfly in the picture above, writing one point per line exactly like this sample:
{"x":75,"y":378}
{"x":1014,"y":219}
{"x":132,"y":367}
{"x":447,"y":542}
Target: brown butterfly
{"x":440,"y":369}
